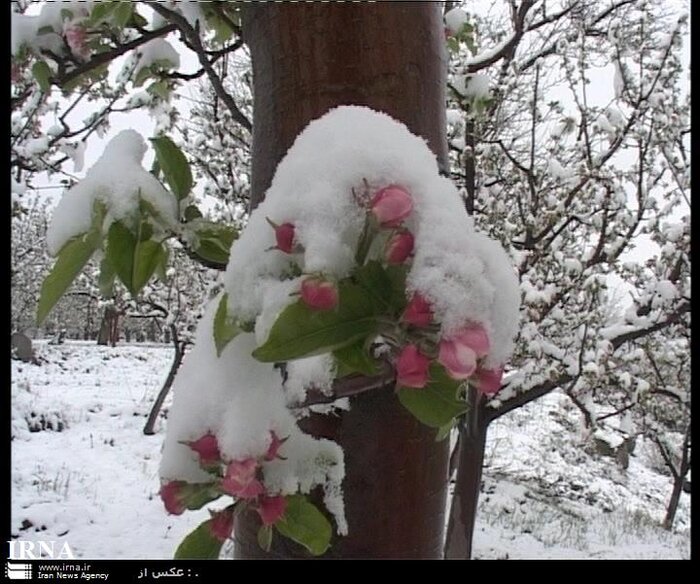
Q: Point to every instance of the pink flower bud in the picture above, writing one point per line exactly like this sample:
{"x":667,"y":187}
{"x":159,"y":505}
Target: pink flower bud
{"x":418,"y":311}
{"x":221,"y":524}
{"x":488,"y":381}
{"x":284,"y":235}
{"x":208,"y":449}
{"x":173,"y":497}
{"x":399,"y":247}
{"x":271,"y":509}
{"x":273,"y":448}
{"x":240,"y":479}
{"x":412,"y":368}
{"x":458,"y":356}
{"x":391,"y":205}
{"x":76,"y":39}
{"x":475,"y":337}
{"x":458,"y":353}
{"x":319,"y":294}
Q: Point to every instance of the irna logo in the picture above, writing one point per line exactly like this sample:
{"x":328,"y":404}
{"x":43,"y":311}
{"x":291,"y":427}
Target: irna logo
{"x":40,"y":550}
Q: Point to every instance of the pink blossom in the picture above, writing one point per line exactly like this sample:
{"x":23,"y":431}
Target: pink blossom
{"x":221,"y":524}
{"x":391,"y":205}
{"x":273,"y":449}
{"x":459,"y":352}
{"x":271,"y":509}
{"x":173,"y":497}
{"x":208,"y":449}
{"x":418,"y":311}
{"x":488,"y":381}
{"x":475,"y":337}
{"x":284,"y":236}
{"x":319,"y":294}
{"x":399,"y":247}
{"x":76,"y":39}
{"x":240,"y":479}
{"x":412,"y":368}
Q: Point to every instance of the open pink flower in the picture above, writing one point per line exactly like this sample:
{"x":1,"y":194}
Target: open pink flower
{"x":459,"y":352}
{"x":399,"y":247}
{"x":173,"y":497}
{"x":240,"y":480}
{"x":412,"y":368}
{"x":488,"y":381}
{"x":221,"y":524}
{"x":319,"y":294}
{"x":271,"y":509}
{"x":418,"y":311}
{"x":208,"y":449}
{"x":391,"y":205}
{"x":273,"y":449}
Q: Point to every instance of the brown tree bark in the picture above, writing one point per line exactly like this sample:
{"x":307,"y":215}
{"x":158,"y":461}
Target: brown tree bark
{"x":308,"y":58}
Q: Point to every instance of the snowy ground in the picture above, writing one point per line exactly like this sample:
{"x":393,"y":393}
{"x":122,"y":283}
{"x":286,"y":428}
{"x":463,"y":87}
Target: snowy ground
{"x":84,"y":473}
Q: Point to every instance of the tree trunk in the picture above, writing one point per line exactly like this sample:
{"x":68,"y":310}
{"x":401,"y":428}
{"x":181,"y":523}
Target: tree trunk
{"x":308,"y":58}
{"x":673,"y":502}
{"x":472,"y":443}
{"x":106,"y":333}
{"x":149,"y":428}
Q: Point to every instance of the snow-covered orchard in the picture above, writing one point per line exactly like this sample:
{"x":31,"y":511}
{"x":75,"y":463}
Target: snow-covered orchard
{"x":542,"y":257}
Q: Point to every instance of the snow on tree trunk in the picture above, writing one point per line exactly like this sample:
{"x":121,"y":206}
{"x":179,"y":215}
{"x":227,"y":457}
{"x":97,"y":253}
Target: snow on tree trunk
{"x":307,"y":59}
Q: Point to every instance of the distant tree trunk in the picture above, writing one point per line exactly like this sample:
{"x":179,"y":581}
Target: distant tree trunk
{"x":149,"y":428}
{"x":308,"y":58}
{"x":679,"y":473}
{"x":673,"y":503}
{"x":109,"y":331}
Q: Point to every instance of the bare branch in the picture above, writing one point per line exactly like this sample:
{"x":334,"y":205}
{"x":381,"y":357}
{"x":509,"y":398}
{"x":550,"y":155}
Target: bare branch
{"x":195,"y":42}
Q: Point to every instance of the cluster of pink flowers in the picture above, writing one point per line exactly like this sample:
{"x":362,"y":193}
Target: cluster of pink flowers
{"x":389,"y":207}
{"x":459,"y":353}
{"x":241,"y":479}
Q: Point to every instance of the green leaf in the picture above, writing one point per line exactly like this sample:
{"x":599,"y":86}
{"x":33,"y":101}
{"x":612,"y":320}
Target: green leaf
{"x":225,"y":328}
{"x":176,"y":169}
{"x":213,"y":241}
{"x":159,"y":88}
{"x":137,"y":20}
{"x":105,"y":281}
{"x":302,"y":332}
{"x":386,"y":285}
{"x":303,"y":523}
{"x":192,"y":213}
{"x":71,"y":259}
{"x":42,"y":74}
{"x":161,"y":268}
{"x":122,"y":14}
{"x":355,"y":359}
{"x":143,"y":74}
{"x":444,"y":431}
{"x":265,"y":537}
{"x":196,"y":495}
{"x":134,"y":260}
{"x":436,"y":404}
{"x":101,"y":12}
{"x":121,"y":245}
{"x":147,"y":257}
{"x":200,"y":544}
